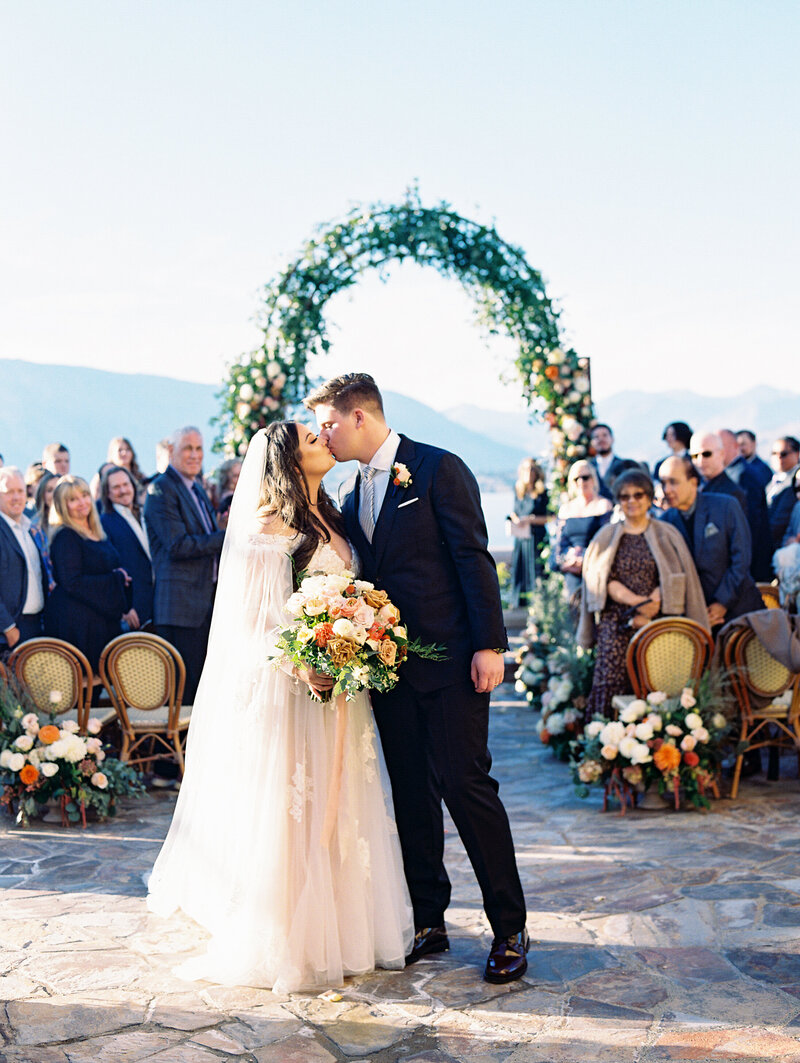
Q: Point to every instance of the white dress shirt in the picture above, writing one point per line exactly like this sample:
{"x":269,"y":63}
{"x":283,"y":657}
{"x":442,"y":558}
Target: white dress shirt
{"x":34,"y":600}
{"x":382,"y":460}
{"x":138,"y":529}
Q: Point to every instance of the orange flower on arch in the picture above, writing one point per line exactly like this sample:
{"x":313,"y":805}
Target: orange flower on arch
{"x":48,"y":734}
{"x":667,"y":758}
{"x":28,"y":775}
{"x":551,"y":372}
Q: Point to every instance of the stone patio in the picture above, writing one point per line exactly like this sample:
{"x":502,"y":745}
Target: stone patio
{"x":656,"y":936}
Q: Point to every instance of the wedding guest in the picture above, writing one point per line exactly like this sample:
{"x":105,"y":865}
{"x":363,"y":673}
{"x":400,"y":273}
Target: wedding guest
{"x":633,"y":571}
{"x":33,"y":475}
{"x":55,"y":458}
{"x":579,"y":519}
{"x":528,"y":520}
{"x":718,"y":537}
{"x":224,"y":481}
{"x":40,"y":521}
{"x":23,"y":577}
{"x":746,"y":442}
{"x":780,"y":497}
{"x":707,"y":455}
{"x":163,"y":455}
{"x":121,"y":518}
{"x":607,"y":463}
{"x":793,"y":530}
{"x":756,"y":512}
{"x":676,"y":435}
{"x":185,"y":544}
{"x":121,"y":453}
{"x":94,"y":483}
{"x":91,"y":596}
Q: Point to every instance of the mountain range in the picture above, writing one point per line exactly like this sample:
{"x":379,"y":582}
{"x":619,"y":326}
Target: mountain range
{"x":84,"y":408}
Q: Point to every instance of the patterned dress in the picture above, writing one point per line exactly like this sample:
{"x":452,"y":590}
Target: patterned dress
{"x":635,"y":568}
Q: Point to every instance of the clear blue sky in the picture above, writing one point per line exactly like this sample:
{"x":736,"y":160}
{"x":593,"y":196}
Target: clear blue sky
{"x":162,"y":159}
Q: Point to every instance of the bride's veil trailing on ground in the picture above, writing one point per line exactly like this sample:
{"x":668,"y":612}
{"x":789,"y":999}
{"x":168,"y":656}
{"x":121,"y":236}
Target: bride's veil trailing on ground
{"x":204,"y":851}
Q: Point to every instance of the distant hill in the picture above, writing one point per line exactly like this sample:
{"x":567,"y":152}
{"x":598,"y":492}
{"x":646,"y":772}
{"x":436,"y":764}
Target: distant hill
{"x":84,"y":408}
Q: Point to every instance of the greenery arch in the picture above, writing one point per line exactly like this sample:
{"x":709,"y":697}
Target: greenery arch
{"x":509,"y":297}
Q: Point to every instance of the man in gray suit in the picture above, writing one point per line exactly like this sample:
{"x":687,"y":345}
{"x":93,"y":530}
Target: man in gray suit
{"x":185,"y":544}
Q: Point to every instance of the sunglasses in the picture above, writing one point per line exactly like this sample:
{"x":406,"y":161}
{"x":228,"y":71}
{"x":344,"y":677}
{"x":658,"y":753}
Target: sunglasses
{"x":584,"y":476}
{"x":634,"y":496}
{"x":702,"y":454}
{"x":782,"y":453}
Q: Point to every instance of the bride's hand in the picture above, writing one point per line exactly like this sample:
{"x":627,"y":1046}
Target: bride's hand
{"x":318,"y":682}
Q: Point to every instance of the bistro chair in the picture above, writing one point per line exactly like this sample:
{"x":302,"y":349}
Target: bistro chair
{"x":769,"y":595}
{"x":58,"y":679}
{"x":144,"y":676}
{"x":666,"y":654}
{"x":768,"y":697}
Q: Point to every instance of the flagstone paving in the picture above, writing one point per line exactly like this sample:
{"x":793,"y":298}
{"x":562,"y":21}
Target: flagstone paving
{"x":656,"y":936}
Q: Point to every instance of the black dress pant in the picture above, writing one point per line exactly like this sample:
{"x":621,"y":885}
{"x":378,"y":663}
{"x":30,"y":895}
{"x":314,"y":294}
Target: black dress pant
{"x":436,"y":749}
{"x":191,"y":643}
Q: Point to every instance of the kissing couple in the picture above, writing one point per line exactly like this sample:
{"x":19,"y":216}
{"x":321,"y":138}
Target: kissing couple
{"x":245,"y":855}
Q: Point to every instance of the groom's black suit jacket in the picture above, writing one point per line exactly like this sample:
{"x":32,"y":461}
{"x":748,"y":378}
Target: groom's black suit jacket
{"x":430,"y":554}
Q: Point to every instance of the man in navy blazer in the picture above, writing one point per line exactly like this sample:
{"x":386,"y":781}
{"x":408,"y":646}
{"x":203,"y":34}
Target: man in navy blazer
{"x":23,"y":576}
{"x":185,"y":545}
{"x":413,"y":514}
{"x":718,"y":537}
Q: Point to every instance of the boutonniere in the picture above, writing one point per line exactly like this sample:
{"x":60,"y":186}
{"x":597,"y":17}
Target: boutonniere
{"x":401,"y":477}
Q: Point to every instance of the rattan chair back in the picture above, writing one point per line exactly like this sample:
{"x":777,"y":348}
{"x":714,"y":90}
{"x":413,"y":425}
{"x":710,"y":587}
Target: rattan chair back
{"x":56,"y":676}
{"x":668,"y":654}
{"x":769,"y":595}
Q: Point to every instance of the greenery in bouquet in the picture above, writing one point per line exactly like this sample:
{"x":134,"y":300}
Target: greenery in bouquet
{"x":40,"y":763}
{"x":674,"y":743}
{"x":346,"y":628}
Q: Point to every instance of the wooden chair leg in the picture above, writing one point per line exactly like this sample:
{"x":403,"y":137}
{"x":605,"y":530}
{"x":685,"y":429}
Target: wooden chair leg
{"x":737,"y":771}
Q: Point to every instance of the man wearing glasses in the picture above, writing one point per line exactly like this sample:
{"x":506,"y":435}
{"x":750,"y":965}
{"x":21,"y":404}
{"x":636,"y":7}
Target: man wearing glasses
{"x":780,"y":495}
{"x":718,"y":538}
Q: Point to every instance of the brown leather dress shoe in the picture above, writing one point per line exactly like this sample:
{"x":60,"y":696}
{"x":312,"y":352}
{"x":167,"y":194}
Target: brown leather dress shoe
{"x":507,"y":958}
{"x":427,"y":940}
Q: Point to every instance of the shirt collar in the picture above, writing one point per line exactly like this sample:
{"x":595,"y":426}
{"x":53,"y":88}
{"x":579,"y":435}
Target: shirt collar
{"x":189,"y":481}
{"x":384,"y":456}
{"x":23,"y":524}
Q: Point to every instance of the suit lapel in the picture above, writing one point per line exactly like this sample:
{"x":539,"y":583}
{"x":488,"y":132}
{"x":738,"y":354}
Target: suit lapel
{"x":406,"y":454}
{"x":678,"y":522}
{"x":188,"y":499}
{"x":13,"y":539}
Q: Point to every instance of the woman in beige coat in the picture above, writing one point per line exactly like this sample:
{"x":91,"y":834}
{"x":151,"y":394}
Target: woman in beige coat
{"x":633,"y":571}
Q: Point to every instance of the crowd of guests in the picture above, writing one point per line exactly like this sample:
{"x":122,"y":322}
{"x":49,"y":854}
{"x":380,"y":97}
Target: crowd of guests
{"x":85,"y":559}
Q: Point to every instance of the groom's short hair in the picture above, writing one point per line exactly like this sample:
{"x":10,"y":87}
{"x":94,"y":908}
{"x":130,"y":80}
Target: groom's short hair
{"x":346,"y":392}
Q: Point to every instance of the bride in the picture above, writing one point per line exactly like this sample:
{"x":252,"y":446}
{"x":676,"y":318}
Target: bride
{"x":244,"y":855}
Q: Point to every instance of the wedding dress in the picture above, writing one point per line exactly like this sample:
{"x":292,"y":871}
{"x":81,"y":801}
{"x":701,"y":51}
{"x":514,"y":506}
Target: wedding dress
{"x":244,"y":855}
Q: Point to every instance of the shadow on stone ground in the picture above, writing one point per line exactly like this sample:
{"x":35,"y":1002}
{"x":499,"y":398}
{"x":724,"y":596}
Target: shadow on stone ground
{"x":656,"y":936}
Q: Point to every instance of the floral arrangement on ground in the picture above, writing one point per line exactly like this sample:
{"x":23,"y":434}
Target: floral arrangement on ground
{"x":553,"y":673}
{"x":43,"y":763}
{"x":672,"y":743}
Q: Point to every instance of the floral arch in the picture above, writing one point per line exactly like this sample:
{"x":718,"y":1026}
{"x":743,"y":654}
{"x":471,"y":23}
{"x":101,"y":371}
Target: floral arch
{"x":509,"y":297}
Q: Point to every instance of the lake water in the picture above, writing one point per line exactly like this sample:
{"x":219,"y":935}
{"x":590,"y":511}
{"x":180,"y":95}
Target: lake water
{"x":496,"y":507}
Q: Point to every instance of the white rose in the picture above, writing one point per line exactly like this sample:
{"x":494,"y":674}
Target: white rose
{"x":70,"y":726}
{"x":693,"y":720}
{"x":55,"y":697}
{"x":688,"y":700}
{"x":94,"y":726}
{"x":671,"y":729}
{"x":343,"y":627}
{"x":373,"y":644}
{"x":701,"y":734}
{"x":655,"y":721}
{"x":594,"y":729}
{"x":520,"y":687}
{"x":273,"y":369}
{"x":30,"y":722}
{"x":644,"y":731}
{"x":49,"y":769}
{"x":24,"y":743}
{"x":641,"y":754}
{"x":400,"y":631}
{"x":246,"y":392}
{"x":612,"y":734}
{"x":314,"y":607}
{"x":99,"y":780}
{"x":99,"y":756}
{"x":16,"y":762}
{"x":632,"y":712}
{"x":609,"y":752}
{"x":657,"y":697}
{"x":627,"y":746}
{"x":719,"y":721}
{"x":304,"y":636}
{"x":294,"y":606}
{"x":359,"y":634}
{"x":555,"y":723}
{"x":688,"y":742}
{"x":5,"y":757}
{"x":93,"y":745}
{"x":556,"y":356}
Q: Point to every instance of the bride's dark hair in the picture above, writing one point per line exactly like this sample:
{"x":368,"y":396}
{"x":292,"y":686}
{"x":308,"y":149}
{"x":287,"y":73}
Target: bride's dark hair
{"x":284,"y":493}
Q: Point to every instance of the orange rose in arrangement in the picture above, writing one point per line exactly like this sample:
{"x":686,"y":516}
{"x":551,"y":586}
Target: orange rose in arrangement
{"x":551,"y":372}
{"x":48,"y":734}
{"x":667,"y":758}
{"x":323,"y":634}
{"x":691,"y":759}
{"x":28,"y":775}
{"x":387,"y":651}
{"x":376,"y":598}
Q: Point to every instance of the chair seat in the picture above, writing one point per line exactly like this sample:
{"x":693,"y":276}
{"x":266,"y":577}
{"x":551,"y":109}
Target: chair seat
{"x":105,"y":716}
{"x":147,"y":719}
{"x":622,"y":701}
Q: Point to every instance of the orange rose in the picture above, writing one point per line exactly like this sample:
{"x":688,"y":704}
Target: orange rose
{"x":323,"y":633}
{"x":691,"y":759}
{"x":544,"y":735}
{"x":29,"y":775}
{"x":387,"y":651}
{"x":376,"y":598}
{"x":48,"y":734}
{"x":667,"y":758}
{"x":551,"y":372}
{"x":377,"y":631}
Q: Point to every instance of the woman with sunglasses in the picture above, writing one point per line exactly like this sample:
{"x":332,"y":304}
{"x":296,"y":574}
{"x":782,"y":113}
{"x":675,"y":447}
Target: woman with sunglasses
{"x":579,"y":519}
{"x":633,"y":571}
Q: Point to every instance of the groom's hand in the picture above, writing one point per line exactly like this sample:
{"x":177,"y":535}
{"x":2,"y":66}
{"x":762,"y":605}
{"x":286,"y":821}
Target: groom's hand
{"x":488,"y":669}
{"x":319,"y":682}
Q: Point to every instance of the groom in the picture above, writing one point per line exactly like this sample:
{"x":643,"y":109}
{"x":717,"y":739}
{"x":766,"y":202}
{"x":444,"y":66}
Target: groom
{"x":414,"y":516}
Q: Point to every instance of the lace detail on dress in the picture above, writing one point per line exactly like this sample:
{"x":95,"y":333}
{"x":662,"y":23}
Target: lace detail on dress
{"x":299,"y":792}
{"x":368,"y":754}
{"x":271,"y":539}
{"x":327,"y":560}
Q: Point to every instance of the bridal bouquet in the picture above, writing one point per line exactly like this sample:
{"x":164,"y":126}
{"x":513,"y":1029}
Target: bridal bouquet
{"x":348,"y":629}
